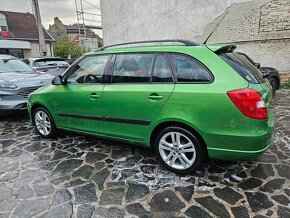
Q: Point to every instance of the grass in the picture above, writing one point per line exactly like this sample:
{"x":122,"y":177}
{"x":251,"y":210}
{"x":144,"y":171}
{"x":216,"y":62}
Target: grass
{"x":285,"y":85}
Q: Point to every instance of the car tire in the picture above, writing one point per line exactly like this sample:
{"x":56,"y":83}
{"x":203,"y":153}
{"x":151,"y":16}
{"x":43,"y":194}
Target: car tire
{"x":274,"y":83}
{"x":170,"y":149}
{"x":43,"y":122}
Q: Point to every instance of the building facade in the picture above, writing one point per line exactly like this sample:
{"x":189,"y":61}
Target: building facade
{"x":260,"y":28}
{"x":20,"y":35}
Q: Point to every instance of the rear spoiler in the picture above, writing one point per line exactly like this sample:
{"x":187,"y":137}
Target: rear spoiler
{"x":220,"y":49}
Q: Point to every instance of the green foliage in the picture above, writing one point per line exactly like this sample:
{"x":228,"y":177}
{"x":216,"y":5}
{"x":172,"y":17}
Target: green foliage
{"x":285,"y":85}
{"x":63,"y":47}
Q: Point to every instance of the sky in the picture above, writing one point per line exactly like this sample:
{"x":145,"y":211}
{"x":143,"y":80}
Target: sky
{"x":65,"y":10}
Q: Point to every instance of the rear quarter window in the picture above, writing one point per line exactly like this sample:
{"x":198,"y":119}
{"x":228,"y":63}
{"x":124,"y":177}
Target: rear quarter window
{"x":243,"y":67}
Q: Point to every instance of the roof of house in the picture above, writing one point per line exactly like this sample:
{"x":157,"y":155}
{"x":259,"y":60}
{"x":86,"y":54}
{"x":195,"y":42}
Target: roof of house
{"x":23,"y":26}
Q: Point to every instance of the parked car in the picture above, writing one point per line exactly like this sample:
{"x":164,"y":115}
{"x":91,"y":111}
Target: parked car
{"x":49,"y":65}
{"x":186,"y":101}
{"x":268,"y":72}
{"x":17,"y":81}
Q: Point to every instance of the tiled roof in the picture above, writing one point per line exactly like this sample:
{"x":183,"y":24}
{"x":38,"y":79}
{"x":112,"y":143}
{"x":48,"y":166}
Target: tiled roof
{"x":23,"y":26}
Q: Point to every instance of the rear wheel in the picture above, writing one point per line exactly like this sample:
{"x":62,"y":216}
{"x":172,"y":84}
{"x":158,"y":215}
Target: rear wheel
{"x":179,"y":150}
{"x":43,"y":122}
{"x":274,"y":83}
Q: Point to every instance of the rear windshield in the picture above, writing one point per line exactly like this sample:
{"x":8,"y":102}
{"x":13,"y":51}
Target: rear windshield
{"x":243,"y":67}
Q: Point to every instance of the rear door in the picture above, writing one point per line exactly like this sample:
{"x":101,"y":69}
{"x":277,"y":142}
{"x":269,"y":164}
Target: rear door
{"x":134,"y":98}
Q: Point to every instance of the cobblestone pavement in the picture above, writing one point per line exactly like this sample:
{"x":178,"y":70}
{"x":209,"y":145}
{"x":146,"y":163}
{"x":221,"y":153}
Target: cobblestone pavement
{"x":81,"y":176}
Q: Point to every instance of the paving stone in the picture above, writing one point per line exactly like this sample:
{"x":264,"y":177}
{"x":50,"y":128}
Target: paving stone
{"x":227,"y":194}
{"x":100,"y":177}
{"x":43,"y":190}
{"x":214,"y":206}
{"x":4,"y":214}
{"x":59,"y":155}
{"x":216,"y":169}
{"x":61,"y":196}
{"x":112,"y":212}
{"x":5,"y":193}
{"x":195,"y":211}
{"x":185,"y":191}
{"x":258,"y":201}
{"x":240,"y":212}
{"x":283,"y":170}
{"x":273,"y":185}
{"x":99,"y":165}
{"x":85,"y":211}
{"x":31,"y":208}
{"x":115,"y":184}
{"x":22,"y":192}
{"x":282,"y":199}
{"x":112,"y":197}
{"x":9,"y":176}
{"x":75,"y":182}
{"x":9,"y":167}
{"x":166,"y":201}
{"x":84,"y":171}
{"x":9,"y":204}
{"x":250,"y":183}
{"x":85,"y":194}
{"x":136,"y":191}
{"x":122,"y":174}
{"x":67,"y":166}
{"x":147,"y":169}
{"x":63,"y":211}
{"x":138,"y":210}
{"x":283,"y":212}
{"x":287,"y":192}
{"x":263,"y":171}
{"x":35,"y":147}
{"x":129,"y":161}
{"x":93,"y":157}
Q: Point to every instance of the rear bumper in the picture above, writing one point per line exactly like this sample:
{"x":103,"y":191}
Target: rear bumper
{"x":242,"y":143}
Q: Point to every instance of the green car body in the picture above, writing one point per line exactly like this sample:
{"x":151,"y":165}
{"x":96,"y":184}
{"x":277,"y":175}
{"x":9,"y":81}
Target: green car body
{"x":125,"y":111}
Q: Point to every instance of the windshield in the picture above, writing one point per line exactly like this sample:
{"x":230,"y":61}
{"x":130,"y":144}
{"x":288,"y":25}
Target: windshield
{"x":15,"y":66}
{"x":44,"y":63}
{"x":243,"y":67}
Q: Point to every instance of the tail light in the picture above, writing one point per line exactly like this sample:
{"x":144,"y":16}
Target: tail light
{"x":249,"y":102}
{"x":43,"y":70}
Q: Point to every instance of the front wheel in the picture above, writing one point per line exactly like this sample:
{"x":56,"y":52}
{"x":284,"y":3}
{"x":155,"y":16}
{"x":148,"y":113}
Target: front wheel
{"x":43,"y":122}
{"x":179,"y":150}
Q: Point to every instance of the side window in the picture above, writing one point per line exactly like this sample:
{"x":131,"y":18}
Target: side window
{"x":132,"y":68}
{"x":162,"y":71}
{"x":88,"y":70}
{"x":189,"y":70}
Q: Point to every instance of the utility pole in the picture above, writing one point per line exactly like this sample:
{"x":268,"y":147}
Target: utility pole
{"x":42,"y":45}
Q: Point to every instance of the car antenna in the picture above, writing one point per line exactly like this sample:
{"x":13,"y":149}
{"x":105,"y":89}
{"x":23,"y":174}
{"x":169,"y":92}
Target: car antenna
{"x":216,"y":27}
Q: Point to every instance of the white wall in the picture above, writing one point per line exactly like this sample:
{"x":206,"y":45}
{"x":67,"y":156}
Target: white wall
{"x":260,"y":28}
{"x":34,"y":51}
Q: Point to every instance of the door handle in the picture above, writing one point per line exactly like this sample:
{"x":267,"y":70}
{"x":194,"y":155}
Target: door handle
{"x":94,"y":96}
{"x":155,"y":96}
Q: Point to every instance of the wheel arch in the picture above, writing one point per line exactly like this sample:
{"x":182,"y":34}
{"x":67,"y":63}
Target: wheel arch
{"x":184,"y":125}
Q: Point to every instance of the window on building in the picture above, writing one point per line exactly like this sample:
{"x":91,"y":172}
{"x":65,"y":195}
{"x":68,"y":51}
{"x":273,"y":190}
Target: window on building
{"x":3,"y":23}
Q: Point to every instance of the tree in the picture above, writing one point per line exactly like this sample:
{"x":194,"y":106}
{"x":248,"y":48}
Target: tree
{"x":64,"y":48}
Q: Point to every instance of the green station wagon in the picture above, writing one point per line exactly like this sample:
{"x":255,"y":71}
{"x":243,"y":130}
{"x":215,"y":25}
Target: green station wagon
{"x":187,"y":101}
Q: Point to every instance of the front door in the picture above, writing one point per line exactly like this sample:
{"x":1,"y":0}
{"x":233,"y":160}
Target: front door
{"x":77,"y":104}
{"x":134,"y":98}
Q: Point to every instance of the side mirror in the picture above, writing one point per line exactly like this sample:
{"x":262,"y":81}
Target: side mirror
{"x":57,"y":80}
{"x":258,"y":65}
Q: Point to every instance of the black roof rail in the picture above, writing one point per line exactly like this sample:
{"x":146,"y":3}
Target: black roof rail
{"x":185,"y":42}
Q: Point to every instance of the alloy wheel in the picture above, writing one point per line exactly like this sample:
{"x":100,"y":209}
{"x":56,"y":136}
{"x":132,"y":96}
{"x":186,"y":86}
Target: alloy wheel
{"x":177,"y":150}
{"x":42,"y":122}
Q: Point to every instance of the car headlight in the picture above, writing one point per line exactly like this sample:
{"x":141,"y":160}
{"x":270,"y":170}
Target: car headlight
{"x":8,"y":86}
